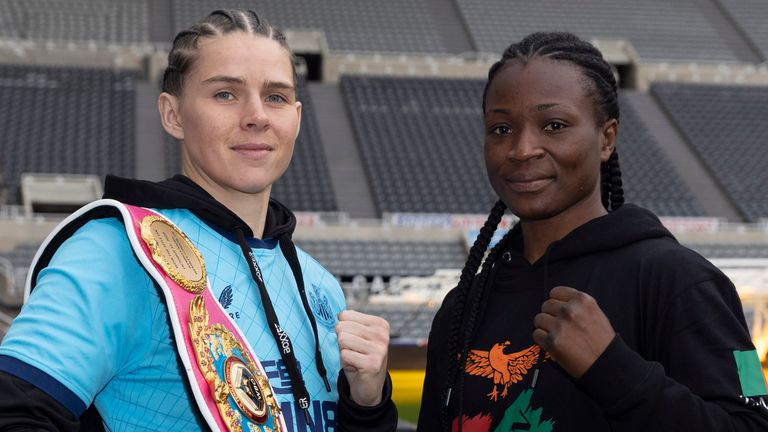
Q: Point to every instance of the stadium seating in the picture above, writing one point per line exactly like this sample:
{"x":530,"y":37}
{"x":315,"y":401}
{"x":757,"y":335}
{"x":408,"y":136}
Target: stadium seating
{"x":726,"y":126}
{"x":65,"y":120}
{"x":751,"y":16}
{"x":658,"y":29}
{"x":19,"y":259}
{"x":712,"y":251}
{"x":346,"y":258}
{"x":111,"y":21}
{"x":350,"y":25}
{"x":649,"y":178}
{"x":405,"y":321}
{"x":421,"y":143}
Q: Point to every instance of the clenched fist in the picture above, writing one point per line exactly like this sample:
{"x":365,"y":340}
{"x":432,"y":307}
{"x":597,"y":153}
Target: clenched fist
{"x":572,"y":329}
{"x":363,"y":343}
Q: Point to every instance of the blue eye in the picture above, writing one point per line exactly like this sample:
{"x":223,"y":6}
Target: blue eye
{"x":276,"y":98}
{"x":224,"y":95}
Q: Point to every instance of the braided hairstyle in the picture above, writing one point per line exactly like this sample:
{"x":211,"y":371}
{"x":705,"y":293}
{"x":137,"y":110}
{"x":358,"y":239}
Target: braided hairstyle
{"x":600,"y":85}
{"x":220,"y":22}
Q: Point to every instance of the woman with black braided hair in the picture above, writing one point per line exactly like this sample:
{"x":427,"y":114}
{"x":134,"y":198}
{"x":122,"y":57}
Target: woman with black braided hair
{"x":588,"y":315}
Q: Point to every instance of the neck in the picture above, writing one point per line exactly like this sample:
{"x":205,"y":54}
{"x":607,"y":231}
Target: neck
{"x":250,"y":207}
{"x":539,"y":234}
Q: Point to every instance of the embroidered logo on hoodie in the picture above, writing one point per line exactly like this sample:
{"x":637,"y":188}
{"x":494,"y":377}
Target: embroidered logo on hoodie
{"x":321,"y":307}
{"x":225,"y":299}
{"x":502,"y":368}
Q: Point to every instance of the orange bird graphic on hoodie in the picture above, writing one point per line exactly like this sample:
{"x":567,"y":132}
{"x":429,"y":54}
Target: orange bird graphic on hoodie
{"x":505,"y":369}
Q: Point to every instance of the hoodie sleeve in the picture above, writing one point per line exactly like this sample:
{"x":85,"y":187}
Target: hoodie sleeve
{"x":707,"y":376}
{"x":23,"y":406}
{"x":353,"y":417}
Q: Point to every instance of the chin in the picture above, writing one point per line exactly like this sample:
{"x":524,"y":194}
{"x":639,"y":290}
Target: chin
{"x":533,"y":214}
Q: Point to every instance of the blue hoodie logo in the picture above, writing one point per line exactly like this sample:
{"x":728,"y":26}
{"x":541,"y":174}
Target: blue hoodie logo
{"x":321,"y":307}
{"x":225,"y":299}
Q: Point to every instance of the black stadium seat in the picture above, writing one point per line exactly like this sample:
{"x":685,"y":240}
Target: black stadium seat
{"x":65,"y":120}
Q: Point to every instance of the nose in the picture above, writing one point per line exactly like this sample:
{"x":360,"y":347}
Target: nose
{"x":524,"y":146}
{"x":254,"y":115}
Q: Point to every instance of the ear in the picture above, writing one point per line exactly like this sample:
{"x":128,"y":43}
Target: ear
{"x":298,"y":125}
{"x":168,"y":105}
{"x":608,"y":135}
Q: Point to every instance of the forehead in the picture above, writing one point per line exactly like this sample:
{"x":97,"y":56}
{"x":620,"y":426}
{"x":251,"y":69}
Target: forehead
{"x":242,"y":55}
{"x":539,"y":80}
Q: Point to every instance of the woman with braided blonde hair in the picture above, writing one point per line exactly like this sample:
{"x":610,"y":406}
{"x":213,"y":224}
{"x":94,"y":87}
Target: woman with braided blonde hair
{"x":588,"y":315}
{"x":183,"y":305}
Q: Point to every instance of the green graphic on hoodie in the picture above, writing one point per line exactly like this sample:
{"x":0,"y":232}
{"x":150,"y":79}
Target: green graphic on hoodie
{"x":750,"y":373}
{"x":520,"y":416}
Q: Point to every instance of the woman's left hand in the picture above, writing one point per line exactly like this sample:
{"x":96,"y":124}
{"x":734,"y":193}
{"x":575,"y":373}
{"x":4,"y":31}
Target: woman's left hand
{"x":364,"y":344}
{"x":572,"y":329}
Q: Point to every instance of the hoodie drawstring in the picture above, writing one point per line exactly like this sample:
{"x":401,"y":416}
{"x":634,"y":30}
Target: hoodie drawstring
{"x":299,"y":388}
{"x":289,"y":250}
{"x":544,"y":297}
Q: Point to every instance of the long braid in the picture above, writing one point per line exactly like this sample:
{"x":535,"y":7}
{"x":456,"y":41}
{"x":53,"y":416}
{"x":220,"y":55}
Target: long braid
{"x":474,"y":311}
{"x":612,"y":192}
{"x":476,"y":253}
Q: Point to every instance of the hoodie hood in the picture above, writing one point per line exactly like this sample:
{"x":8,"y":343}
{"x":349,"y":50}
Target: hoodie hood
{"x":626,"y":225}
{"x":181,"y":192}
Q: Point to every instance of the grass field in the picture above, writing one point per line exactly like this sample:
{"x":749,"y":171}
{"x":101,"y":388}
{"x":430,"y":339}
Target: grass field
{"x":406,"y":392}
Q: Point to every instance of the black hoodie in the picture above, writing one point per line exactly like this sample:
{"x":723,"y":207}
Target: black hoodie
{"x":25,"y":407}
{"x":672,"y":366}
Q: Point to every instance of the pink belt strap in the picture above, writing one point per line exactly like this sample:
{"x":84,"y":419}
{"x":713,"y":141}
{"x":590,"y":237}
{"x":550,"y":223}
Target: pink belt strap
{"x":227,"y":379}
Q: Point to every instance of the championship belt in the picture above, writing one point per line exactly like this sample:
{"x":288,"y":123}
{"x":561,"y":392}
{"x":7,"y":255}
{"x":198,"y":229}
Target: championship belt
{"x":227,"y":380}
{"x":227,"y":372}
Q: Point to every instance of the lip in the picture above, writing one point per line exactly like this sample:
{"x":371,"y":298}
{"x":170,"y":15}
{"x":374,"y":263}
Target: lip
{"x":529,"y":184}
{"x":255,"y":151}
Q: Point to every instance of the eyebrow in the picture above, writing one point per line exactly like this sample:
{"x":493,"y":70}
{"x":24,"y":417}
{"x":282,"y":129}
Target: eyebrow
{"x":240,"y":81}
{"x":279,"y":85}
{"x":544,"y":107}
{"x":224,"y":79}
{"x":539,"y":108}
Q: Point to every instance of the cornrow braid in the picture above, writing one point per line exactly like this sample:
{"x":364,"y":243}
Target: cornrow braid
{"x":468,"y":273}
{"x":612,"y":192}
{"x":183,"y":52}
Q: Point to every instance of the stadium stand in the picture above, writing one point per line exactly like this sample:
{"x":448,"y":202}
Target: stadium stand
{"x":16,"y":263}
{"x":658,"y":29}
{"x":407,"y":322}
{"x":112,"y":21}
{"x":715,"y":251}
{"x":58,"y":193}
{"x":350,"y":25}
{"x":726,"y":125}
{"x":751,"y":16}
{"x":650,"y":179}
{"x":346,"y":258}
{"x":10,"y":295}
{"x":65,"y":120}
{"x":421,"y":143}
